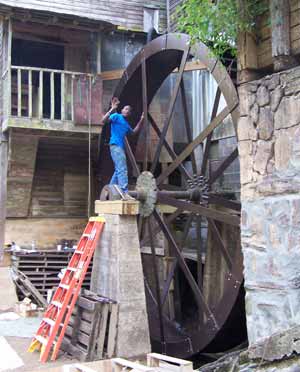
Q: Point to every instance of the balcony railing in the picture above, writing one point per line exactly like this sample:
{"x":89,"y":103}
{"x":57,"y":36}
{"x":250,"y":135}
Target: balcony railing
{"x":41,"y":93}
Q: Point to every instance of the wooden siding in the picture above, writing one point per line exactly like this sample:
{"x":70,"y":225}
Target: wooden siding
{"x":125,"y":13}
{"x":173,"y":9}
{"x":45,"y":232}
{"x":60,"y":184}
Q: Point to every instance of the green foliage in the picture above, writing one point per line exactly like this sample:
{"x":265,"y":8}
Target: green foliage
{"x":218,"y":23}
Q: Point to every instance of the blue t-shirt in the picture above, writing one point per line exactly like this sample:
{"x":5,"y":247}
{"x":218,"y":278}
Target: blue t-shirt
{"x":119,"y":129}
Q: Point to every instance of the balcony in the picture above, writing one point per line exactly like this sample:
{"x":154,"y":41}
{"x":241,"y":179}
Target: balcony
{"x":51,"y":100}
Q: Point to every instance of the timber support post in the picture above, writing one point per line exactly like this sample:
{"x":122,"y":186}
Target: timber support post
{"x":3,"y":188}
{"x":281,"y":40}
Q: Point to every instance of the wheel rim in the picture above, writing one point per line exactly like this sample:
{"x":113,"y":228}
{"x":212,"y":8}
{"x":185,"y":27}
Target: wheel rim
{"x":159,"y":59}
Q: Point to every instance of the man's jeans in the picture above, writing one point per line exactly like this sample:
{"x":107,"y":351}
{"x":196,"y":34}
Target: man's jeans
{"x":120,"y":176}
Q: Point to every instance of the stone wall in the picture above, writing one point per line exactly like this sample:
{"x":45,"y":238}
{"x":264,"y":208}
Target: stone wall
{"x":269,"y":147}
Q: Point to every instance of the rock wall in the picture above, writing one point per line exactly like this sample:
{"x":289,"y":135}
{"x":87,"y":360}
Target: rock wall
{"x":269,"y":147}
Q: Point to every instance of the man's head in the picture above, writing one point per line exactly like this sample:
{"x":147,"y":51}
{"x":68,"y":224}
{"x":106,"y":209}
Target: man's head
{"x":126,"y":111}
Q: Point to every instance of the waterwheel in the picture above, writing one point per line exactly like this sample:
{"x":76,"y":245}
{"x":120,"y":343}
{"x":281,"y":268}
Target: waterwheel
{"x":191,"y":302}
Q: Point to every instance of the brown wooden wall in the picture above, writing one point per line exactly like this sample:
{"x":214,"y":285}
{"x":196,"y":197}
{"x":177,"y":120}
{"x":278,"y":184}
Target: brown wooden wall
{"x":60,"y":183}
{"x":126,"y":13}
{"x":264,"y":46}
{"x":173,"y":9}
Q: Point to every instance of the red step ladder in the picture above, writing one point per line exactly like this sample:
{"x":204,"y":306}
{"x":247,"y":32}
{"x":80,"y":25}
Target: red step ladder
{"x":56,"y":318}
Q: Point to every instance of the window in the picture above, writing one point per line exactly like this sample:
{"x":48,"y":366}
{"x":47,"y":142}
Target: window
{"x":151,"y":19}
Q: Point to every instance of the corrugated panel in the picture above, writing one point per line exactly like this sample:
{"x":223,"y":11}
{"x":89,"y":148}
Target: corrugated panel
{"x":125,"y":13}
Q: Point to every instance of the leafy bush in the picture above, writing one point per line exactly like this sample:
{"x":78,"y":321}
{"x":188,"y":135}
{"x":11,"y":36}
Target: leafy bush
{"x":218,"y":23}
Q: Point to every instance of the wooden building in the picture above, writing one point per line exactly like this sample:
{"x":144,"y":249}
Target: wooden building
{"x":56,"y":58}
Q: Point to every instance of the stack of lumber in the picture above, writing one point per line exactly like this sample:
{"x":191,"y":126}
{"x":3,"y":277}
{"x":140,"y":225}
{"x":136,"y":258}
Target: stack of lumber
{"x":42,"y":268}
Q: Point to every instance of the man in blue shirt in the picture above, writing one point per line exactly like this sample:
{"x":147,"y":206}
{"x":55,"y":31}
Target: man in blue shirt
{"x":119,"y":129}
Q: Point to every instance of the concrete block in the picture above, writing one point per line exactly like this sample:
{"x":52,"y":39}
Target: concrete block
{"x":118,"y":274}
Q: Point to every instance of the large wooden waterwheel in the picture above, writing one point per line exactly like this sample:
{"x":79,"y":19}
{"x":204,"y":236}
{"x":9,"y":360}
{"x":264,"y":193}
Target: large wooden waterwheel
{"x":190,"y":302}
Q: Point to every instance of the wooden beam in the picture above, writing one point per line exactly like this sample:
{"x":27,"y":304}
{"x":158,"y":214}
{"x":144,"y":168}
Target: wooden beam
{"x":129,"y":207}
{"x":3,"y":188}
{"x":281,"y":41}
{"x":247,"y":53}
{"x":117,"y":74}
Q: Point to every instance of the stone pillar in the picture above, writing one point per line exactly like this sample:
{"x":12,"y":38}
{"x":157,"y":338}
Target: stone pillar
{"x":118,"y":274}
{"x":269,"y":148}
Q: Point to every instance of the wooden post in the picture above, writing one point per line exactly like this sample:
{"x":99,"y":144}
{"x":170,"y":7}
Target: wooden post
{"x":281,"y":41}
{"x":3,"y":188}
{"x":72,"y":97}
{"x":30,"y":93}
{"x":247,"y":53}
{"x":52,"y":102}
{"x":41,"y":95}
{"x":19,"y":92}
{"x":63,"y":96}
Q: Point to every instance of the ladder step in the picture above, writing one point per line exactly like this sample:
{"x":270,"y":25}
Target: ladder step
{"x":41,"y":339}
{"x":72,"y":268}
{"x":86,"y":235}
{"x":57,"y":304}
{"x":80,"y":252}
{"x":64,"y":286}
{"x":49,"y":321}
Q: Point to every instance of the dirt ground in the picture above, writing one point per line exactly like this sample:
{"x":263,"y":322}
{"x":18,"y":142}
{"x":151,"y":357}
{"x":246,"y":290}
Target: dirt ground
{"x":31,"y":360}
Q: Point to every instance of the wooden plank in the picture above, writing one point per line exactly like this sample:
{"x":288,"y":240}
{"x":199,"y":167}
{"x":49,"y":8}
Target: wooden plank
{"x":52,"y":100}
{"x":129,"y":207}
{"x":135,"y":366}
{"x":72,"y":98}
{"x":19,"y":92}
{"x":102,"y":331}
{"x":117,"y":74}
{"x":30,"y":93}
{"x":153,"y":360}
{"x":92,"y":346}
{"x":41,"y":94}
{"x":112,"y":332}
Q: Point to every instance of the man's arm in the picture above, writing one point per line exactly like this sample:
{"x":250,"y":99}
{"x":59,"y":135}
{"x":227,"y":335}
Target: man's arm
{"x":114,"y":105}
{"x":139,"y":125}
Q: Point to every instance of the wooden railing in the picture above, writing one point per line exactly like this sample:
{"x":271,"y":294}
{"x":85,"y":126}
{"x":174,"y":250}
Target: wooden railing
{"x":40,"y":93}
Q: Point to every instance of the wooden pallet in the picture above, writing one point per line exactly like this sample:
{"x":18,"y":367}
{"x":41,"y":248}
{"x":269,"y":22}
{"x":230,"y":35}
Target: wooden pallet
{"x":155,"y":363}
{"x":91,"y":334}
{"x":42,"y":268}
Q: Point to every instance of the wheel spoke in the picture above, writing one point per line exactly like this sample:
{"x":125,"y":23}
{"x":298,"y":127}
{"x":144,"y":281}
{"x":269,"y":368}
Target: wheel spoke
{"x":199,"y":253}
{"x":157,"y":228}
{"x":188,"y":150}
{"x":217,"y":237}
{"x":187,"y":124}
{"x":225,"y":164}
{"x":231,"y":204}
{"x":145,"y":110}
{"x":198,"y":209}
{"x":208,"y":140}
{"x":195,"y":289}
{"x":158,"y":297}
{"x":169,"y":149}
{"x":171,"y":273}
{"x":170,"y":111}
{"x":135,"y":168}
